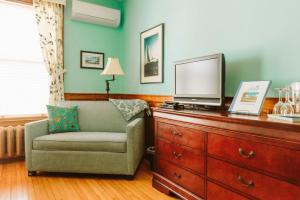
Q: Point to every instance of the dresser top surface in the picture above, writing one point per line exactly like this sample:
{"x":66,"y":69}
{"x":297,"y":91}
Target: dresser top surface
{"x":225,"y":116}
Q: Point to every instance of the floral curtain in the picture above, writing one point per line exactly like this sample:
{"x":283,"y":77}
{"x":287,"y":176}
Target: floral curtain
{"x":49,"y":17}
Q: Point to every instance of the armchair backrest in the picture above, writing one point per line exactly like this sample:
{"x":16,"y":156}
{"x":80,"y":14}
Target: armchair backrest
{"x":96,"y":116}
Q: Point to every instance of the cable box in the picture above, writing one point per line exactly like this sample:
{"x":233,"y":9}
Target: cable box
{"x":172,"y":105}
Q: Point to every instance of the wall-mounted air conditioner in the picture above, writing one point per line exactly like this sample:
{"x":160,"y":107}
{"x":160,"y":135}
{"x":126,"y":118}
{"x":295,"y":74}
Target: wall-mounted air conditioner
{"x":95,"y":14}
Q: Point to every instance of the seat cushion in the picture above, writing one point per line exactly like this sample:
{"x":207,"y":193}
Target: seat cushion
{"x":82,"y":141}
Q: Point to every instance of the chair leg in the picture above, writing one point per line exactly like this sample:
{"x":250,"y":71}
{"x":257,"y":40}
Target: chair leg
{"x":129,"y":177}
{"x":31,"y":173}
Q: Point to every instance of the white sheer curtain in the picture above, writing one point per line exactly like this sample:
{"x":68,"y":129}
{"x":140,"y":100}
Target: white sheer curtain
{"x":49,"y":17}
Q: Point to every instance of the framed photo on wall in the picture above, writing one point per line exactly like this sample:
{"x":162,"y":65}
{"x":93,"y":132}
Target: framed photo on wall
{"x":250,"y":97}
{"x":91,"y":60}
{"x":152,"y":55}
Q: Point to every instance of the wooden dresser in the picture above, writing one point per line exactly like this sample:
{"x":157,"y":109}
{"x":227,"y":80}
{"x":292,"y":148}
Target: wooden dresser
{"x":216,"y":156}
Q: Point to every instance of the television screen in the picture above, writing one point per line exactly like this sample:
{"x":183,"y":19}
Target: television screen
{"x":200,"y":78}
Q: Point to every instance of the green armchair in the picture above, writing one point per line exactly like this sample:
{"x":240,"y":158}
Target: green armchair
{"x":106,"y":143}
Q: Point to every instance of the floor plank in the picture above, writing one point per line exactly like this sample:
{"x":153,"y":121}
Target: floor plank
{"x":16,"y":185}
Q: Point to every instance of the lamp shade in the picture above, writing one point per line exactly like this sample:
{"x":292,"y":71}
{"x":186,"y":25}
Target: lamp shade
{"x":113,"y":67}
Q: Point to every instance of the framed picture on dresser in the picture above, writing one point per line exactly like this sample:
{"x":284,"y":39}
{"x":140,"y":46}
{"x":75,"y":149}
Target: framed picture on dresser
{"x":250,"y":97}
{"x":152,"y":55}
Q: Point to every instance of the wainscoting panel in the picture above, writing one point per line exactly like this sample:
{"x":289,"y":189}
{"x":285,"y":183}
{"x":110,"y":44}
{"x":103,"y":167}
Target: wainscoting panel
{"x":153,"y":100}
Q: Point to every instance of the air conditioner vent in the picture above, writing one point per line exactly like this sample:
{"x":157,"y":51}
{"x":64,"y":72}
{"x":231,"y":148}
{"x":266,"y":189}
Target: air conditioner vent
{"x":95,"y":14}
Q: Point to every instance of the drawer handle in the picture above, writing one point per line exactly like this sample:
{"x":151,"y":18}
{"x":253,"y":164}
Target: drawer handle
{"x":243,"y":154}
{"x":178,"y":176}
{"x":175,"y":133}
{"x":177,"y":155}
{"x":244,"y":183}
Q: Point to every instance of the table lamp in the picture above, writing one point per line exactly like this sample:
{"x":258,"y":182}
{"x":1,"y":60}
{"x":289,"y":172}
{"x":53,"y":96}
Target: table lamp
{"x":113,"y":68}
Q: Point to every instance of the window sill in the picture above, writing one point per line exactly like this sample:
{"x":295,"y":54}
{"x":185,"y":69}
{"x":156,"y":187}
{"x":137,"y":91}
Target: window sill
{"x":15,"y":120}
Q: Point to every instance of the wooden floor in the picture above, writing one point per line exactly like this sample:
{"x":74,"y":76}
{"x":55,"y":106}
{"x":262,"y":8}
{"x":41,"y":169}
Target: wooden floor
{"x":16,"y":185}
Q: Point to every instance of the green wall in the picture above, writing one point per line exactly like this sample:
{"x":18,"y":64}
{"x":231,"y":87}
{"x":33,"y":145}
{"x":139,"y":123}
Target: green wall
{"x":84,"y":36}
{"x":260,"y":39}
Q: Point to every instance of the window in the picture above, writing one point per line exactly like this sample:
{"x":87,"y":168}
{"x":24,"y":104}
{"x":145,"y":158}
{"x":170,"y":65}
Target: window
{"x":24,"y":80}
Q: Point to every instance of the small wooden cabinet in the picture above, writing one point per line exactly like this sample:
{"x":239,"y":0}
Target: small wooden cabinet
{"x":216,"y":156}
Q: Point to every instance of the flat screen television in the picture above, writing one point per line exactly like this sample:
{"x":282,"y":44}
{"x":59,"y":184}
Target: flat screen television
{"x":200,"y":80}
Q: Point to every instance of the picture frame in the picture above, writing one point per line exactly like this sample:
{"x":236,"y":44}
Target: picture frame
{"x":250,"y":97}
{"x":152,"y":55}
{"x":91,"y":60}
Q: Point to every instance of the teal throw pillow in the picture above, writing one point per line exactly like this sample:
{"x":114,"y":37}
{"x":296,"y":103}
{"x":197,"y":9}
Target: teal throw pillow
{"x":63,"y":119}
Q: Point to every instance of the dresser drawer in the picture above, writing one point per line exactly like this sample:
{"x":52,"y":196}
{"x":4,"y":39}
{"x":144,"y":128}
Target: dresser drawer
{"x":252,"y":183}
{"x":215,"y":192}
{"x":181,"y":135}
{"x":181,"y":156}
{"x":277,"y":160}
{"x":184,"y":178}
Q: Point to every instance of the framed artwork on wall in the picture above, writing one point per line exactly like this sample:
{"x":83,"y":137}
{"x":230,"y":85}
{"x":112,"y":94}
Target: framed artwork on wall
{"x":91,"y":60}
{"x":152,"y":55}
{"x":250,"y":97}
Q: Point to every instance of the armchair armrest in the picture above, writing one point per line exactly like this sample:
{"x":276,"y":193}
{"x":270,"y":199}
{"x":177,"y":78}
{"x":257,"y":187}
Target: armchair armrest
{"x":33,"y":130}
{"x":135,"y":143}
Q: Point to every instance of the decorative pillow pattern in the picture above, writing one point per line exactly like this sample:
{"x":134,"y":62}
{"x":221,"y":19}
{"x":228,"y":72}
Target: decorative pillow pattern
{"x":130,"y":108}
{"x":62,"y":119}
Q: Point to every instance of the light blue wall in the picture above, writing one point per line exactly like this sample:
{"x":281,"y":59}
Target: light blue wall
{"x":84,"y":36}
{"x":260,"y":39}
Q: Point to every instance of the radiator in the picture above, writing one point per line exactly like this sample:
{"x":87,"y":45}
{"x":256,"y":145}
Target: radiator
{"x":11,"y":142}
